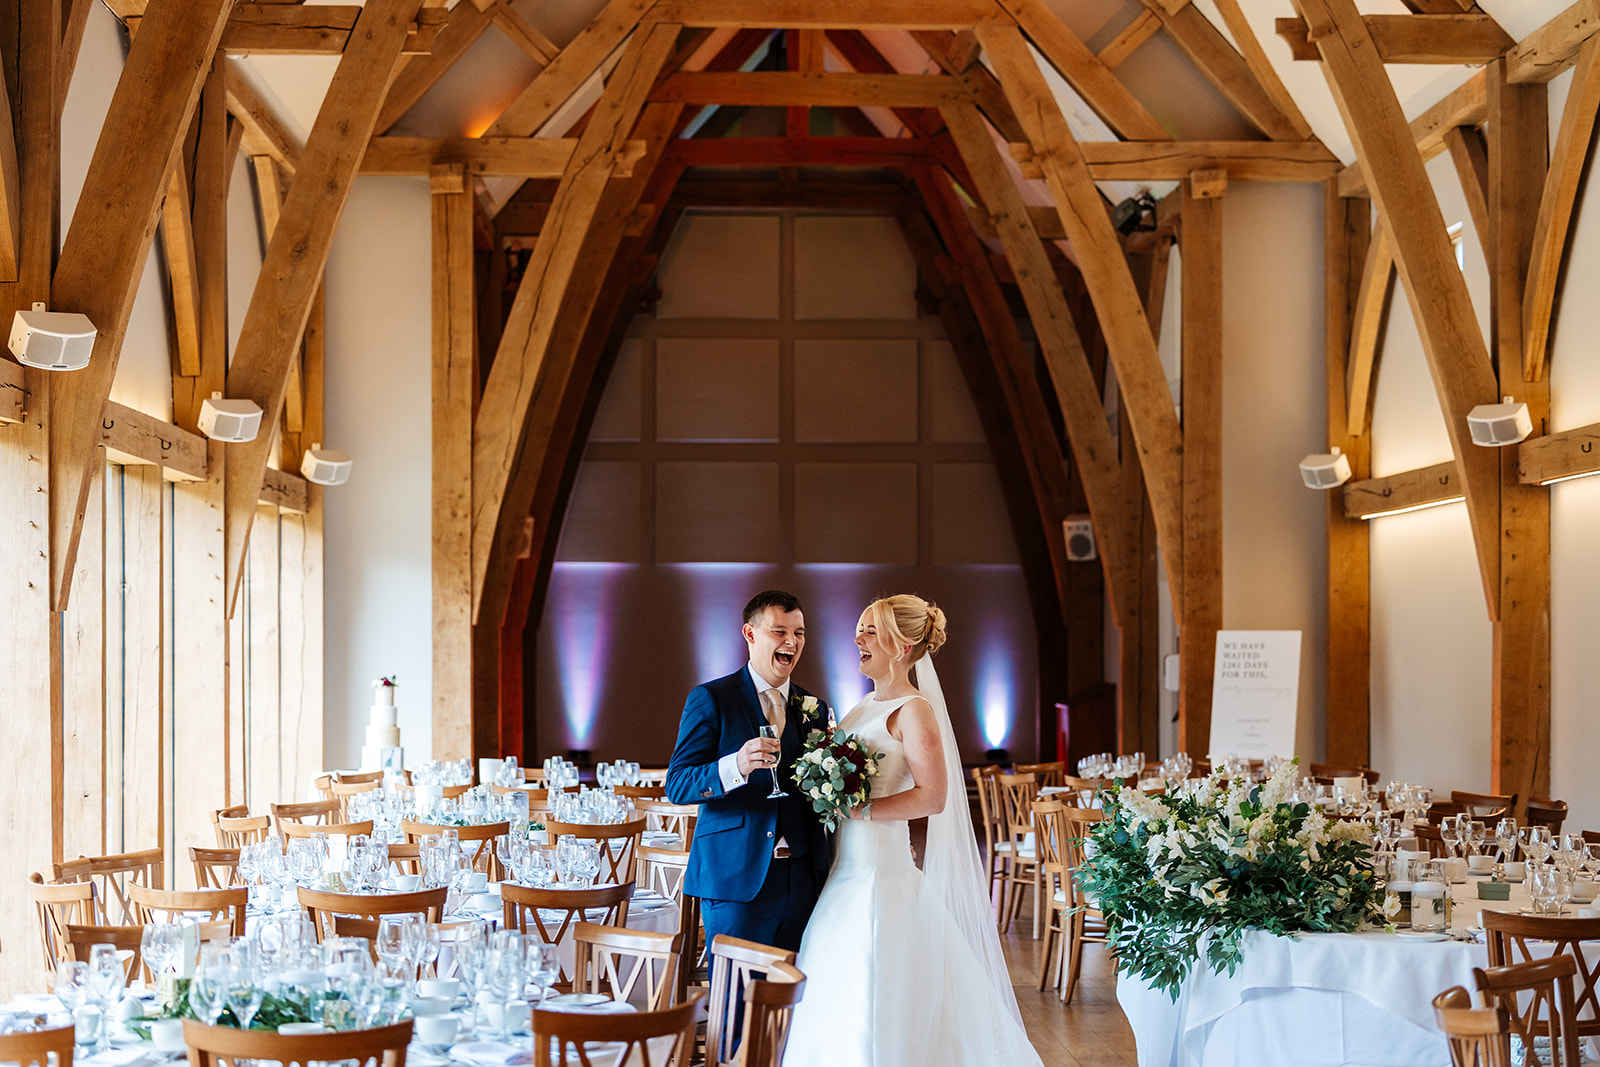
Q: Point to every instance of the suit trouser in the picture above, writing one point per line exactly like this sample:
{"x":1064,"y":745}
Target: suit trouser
{"x":778,"y":913}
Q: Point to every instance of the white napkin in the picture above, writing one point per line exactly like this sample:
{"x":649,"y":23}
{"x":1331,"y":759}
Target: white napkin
{"x":491,"y":1053}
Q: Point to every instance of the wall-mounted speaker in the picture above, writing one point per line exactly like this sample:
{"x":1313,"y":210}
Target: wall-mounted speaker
{"x":1079,"y":533}
{"x":234,"y":421}
{"x":51,"y":340}
{"x":1325,"y":470}
{"x":324,"y":466}
{"x":1497,"y":425}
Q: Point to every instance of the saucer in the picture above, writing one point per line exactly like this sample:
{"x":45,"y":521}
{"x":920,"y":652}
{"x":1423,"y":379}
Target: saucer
{"x":1421,"y":935}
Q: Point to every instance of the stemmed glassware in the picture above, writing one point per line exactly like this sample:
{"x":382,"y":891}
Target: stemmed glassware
{"x":242,"y":985}
{"x":771,"y":732}
{"x":421,"y":941}
{"x":1505,"y":835}
{"x":1537,"y":843}
{"x":106,"y":979}
{"x":159,"y":946}
{"x":72,"y":985}
{"x":544,"y":967}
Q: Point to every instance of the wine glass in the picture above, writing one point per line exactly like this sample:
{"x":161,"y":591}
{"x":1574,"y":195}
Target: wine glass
{"x":771,"y":732}
{"x":390,"y":942}
{"x":206,"y":995}
{"x":1541,"y":887}
{"x":107,"y":976}
{"x":545,"y":967}
{"x":72,"y":985}
{"x":159,"y":947}
{"x":243,"y":992}
{"x":1505,"y":835}
{"x":421,"y":939}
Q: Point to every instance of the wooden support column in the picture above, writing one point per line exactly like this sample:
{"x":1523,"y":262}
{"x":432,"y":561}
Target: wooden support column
{"x":104,"y":251}
{"x":454,"y":375}
{"x":1457,"y":354}
{"x":209,"y":233}
{"x":1520,"y":741}
{"x":1131,"y":345}
{"x":1201,"y":617}
{"x":291,"y":271}
{"x":1346,"y":235}
{"x":502,"y":422}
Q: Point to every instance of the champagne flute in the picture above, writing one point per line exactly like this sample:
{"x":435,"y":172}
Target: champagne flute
{"x":770,"y":731}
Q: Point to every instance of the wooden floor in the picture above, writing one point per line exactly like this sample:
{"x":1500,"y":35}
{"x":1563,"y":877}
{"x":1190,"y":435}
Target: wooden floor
{"x":1091,"y":1031}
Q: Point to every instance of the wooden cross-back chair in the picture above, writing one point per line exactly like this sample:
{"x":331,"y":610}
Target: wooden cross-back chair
{"x":323,"y":783}
{"x":653,"y":791}
{"x":238,"y":811}
{"x":1017,"y":793}
{"x":343,"y":791}
{"x":27,"y":1048}
{"x":735,"y":963}
{"x":619,"y":844}
{"x":82,"y":939}
{"x":215,"y":868}
{"x":59,"y":907}
{"x":1551,"y":813}
{"x":312,"y":811}
{"x":1325,"y":773}
{"x":1085,"y":925}
{"x":312,"y":829}
{"x":384,"y":1045}
{"x":662,"y":1038}
{"x":405,"y":857}
{"x":237,"y":832}
{"x":565,"y":909}
{"x":358,"y":778}
{"x":1483,"y":805}
{"x":1516,"y":939}
{"x":666,"y":817}
{"x":1537,"y":997}
{"x":1430,"y":839}
{"x":172,"y":905}
{"x":1051,"y":830}
{"x":663,"y":870}
{"x":113,"y":877}
{"x":769,"y":1005}
{"x":1477,"y":1037}
{"x":996,"y":845}
{"x":618,"y":961}
{"x":1054,"y":773}
{"x":357,"y":914}
{"x":476,"y":841}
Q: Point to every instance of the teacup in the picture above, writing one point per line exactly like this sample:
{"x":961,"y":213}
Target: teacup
{"x":436,"y":1029}
{"x":424,"y":1006}
{"x":448,"y":988}
{"x":1584,"y":889}
{"x":167,"y":1035}
{"x":407,"y":883}
{"x":1480,"y":864}
{"x":478,"y":881}
{"x":485,"y":902}
{"x":1516,"y":871}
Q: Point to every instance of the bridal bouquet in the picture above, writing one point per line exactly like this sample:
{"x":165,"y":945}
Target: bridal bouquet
{"x":835,"y":772}
{"x":1187,"y":873}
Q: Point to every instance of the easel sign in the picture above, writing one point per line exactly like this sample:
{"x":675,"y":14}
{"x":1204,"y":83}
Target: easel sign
{"x":1255,"y":693}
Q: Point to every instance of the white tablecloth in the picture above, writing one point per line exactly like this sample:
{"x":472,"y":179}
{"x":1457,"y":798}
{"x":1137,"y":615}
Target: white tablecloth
{"x":1362,"y":1000}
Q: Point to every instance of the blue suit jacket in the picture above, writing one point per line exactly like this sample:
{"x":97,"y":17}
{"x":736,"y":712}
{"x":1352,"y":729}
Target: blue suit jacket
{"x":736,"y":831}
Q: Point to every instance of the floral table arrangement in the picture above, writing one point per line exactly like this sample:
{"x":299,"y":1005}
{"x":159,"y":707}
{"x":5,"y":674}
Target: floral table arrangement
{"x":1184,"y":874}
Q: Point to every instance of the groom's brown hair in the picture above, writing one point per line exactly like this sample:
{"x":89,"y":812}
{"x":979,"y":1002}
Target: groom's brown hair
{"x":770,"y":598}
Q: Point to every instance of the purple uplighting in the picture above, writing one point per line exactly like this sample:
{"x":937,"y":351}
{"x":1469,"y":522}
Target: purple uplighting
{"x":717,"y":596}
{"x":839,"y":592}
{"x":583,"y":639}
{"x":996,"y":691}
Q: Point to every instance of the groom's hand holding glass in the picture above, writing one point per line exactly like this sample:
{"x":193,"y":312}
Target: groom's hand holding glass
{"x":758,"y":753}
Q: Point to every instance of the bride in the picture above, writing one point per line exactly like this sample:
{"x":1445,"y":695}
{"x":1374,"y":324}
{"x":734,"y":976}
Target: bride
{"x":903,"y":967}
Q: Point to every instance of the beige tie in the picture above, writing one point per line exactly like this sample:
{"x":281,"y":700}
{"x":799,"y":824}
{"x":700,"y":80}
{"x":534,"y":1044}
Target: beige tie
{"x":772,"y":707}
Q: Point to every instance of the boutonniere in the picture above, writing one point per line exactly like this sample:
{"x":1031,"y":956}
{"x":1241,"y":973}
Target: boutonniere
{"x":810,"y":706}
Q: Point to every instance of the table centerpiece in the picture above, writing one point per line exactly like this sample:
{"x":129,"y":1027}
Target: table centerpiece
{"x":1183,"y":874}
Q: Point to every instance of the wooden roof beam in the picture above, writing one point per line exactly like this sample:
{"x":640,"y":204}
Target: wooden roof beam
{"x":570,"y":69}
{"x":291,"y":271}
{"x":1366,"y":331}
{"x":284,"y":29}
{"x":264,"y":131}
{"x":1255,"y":57}
{"x":1443,"y":39}
{"x":1555,"y":457}
{"x":1553,"y":47}
{"x":1203,"y":43}
{"x":1129,"y":341}
{"x":214,"y":157}
{"x":107,"y":244}
{"x":1466,"y":105}
{"x":1277,"y":161}
{"x":807,"y":152}
{"x":10,"y":190}
{"x":831,"y":14}
{"x":804,"y":89}
{"x":950,"y":52}
{"x":1085,"y":72}
{"x":463,"y":26}
{"x":1409,"y":213}
{"x":1143,"y":27}
{"x":528,"y":157}
{"x":1553,"y":230}
{"x":501,"y":428}
{"x":1410,"y":490}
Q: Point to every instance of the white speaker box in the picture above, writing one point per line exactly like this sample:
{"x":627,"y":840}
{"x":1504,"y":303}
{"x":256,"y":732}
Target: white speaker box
{"x":1325,"y":470}
{"x":51,"y":340}
{"x":235,"y":421}
{"x":1079,"y":533}
{"x":324,"y":466}
{"x":1496,"y":425}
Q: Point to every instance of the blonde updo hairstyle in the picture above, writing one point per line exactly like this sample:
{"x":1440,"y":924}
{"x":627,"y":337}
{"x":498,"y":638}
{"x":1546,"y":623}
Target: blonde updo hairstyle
{"x":907,"y":619}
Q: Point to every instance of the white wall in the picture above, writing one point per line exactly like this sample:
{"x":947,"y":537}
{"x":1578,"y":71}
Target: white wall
{"x":1274,"y":547}
{"x":379,"y":541}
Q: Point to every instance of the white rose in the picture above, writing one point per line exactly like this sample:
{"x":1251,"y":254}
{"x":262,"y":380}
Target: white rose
{"x":827,"y":788}
{"x":829,"y":763}
{"x":809,"y":704}
{"x":816,"y":794}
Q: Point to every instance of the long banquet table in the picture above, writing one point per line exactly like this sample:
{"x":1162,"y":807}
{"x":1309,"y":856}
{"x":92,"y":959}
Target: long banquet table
{"x":1354,"y":1000}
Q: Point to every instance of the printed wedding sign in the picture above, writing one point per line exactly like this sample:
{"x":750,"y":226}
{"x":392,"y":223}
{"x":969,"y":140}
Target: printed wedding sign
{"x":1255,"y":693}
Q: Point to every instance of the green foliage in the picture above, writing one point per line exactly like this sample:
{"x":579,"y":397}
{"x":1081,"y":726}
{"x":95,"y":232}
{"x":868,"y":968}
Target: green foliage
{"x":1183,"y":876}
{"x":274,"y":1011}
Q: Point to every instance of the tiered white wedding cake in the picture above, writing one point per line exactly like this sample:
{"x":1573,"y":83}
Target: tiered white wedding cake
{"x":383,"y":736}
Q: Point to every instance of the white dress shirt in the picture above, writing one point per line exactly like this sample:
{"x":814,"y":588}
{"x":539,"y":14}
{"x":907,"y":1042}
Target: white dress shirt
{"x":728,"y":766}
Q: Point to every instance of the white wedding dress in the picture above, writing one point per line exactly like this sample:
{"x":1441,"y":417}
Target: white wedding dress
{"x":891,"y":979}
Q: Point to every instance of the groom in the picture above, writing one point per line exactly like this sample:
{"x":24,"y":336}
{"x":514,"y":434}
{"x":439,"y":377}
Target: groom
{"x":757,"y":864}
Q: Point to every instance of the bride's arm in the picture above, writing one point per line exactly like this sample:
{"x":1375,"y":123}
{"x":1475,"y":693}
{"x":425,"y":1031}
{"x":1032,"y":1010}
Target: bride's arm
{"x":915,"y":727}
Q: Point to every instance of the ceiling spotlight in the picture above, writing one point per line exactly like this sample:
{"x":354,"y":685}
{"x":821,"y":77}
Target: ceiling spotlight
{"x":234,"y":421}
{"x":1325,"y":470}
{"x":51,"y":340}
{"x":1129,"y":216}
{"x":324,"y":466}
{"x":1497,"y":425}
